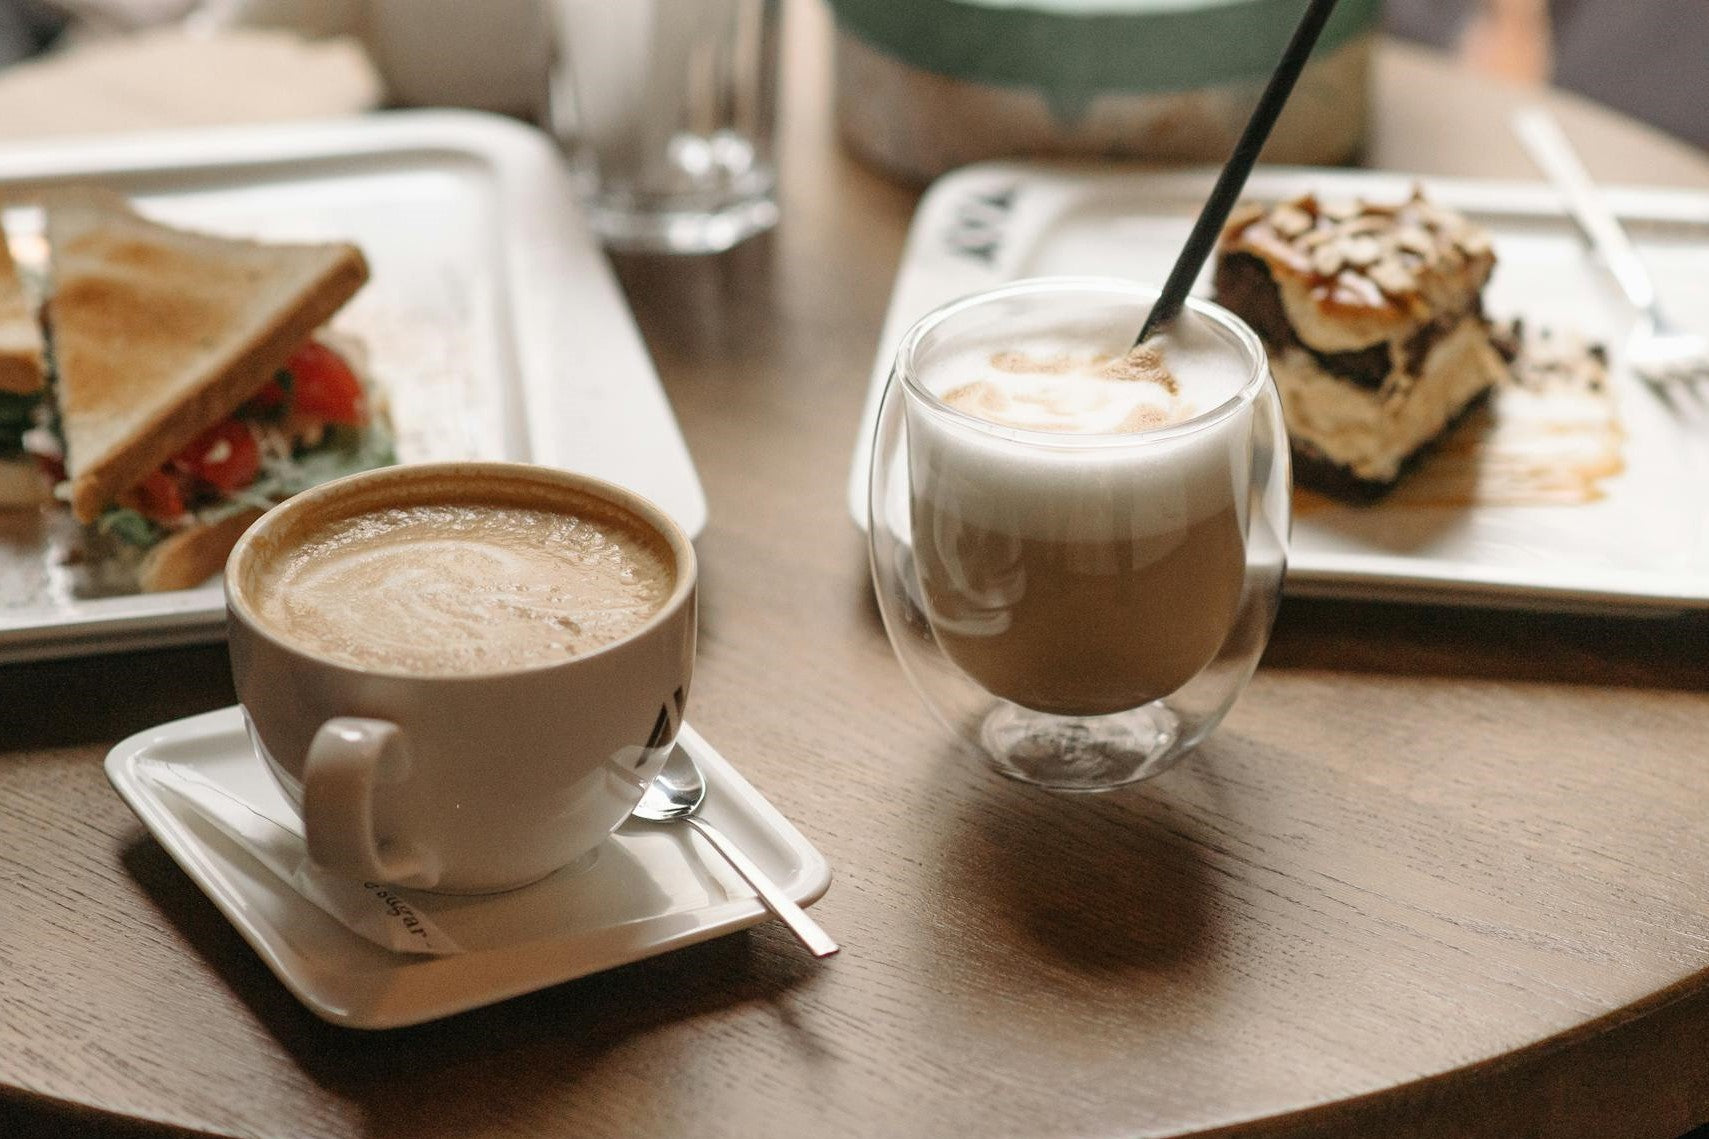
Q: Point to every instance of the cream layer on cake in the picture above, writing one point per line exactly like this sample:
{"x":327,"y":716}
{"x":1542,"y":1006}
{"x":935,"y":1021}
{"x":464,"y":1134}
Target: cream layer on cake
{"x":1371,"y":433}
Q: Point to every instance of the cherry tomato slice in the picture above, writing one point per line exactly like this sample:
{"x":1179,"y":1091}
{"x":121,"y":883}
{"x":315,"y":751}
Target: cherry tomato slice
{"x":324,"y":387}
{"x":52,"y":467}
{"x":159,"y":497}
{"x":225,"y":456}
{"x":268,"y":397}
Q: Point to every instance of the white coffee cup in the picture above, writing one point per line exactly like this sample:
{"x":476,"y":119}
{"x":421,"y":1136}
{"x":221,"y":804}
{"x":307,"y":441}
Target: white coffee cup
{"x":461,"y":782}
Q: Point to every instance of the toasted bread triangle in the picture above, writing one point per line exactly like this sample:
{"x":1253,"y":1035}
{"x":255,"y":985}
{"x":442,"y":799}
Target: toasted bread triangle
{"x":20,"y":337}
{"x":159,"y":333}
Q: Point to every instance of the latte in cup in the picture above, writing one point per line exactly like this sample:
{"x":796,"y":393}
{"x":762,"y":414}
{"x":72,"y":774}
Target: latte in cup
{"x":463,"y":675}
{"x":1079,"y":506}
{"x":463,"y":587}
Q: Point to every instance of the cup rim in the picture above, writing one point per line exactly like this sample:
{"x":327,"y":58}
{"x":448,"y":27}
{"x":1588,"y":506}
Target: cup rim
{"x":1225,"y":321}
{"x":239,"y":606}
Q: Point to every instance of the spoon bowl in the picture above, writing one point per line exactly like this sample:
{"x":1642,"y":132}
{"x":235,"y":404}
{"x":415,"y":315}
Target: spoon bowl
{"x":675,"y":792}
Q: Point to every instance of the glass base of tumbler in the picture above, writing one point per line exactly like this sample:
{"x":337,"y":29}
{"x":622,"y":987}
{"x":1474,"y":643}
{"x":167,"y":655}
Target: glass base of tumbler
{"x":1081,"y":753}
{"x":686,"y":231}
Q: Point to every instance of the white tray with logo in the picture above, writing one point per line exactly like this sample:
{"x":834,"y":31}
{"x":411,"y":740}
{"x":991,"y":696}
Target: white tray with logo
{"x":1601,"y":505}
{"x":491,"y":320}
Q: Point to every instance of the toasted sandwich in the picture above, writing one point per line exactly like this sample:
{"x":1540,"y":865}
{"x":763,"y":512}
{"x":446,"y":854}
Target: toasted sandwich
{"x":189,"y":392}
{"x":22,"y":388}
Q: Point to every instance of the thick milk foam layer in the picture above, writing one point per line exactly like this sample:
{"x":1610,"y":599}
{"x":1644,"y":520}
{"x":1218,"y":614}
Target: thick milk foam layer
{"x":1099,"y":566}
{"x":1088,"y":380}
{"x":462,"y":589}
{"x":1075,"y":381}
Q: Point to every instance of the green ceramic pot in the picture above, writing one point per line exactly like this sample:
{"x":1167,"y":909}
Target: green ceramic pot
{"x":924,"y":85}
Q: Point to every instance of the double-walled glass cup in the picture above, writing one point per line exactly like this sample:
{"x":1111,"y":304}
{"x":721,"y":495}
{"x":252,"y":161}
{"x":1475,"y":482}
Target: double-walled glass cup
{"x":1081,"y":608}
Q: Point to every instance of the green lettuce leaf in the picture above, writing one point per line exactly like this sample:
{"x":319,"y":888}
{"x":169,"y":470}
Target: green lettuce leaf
{"x":17,"y":415}
{"x":342,"y":451}
{"x":129,"y":527}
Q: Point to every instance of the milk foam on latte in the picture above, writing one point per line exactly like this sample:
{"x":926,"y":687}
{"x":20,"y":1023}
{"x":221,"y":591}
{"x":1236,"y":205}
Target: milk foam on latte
{"x":462,"y":588}
{"x":1075,"y":556}
{"x":1057,"y":381}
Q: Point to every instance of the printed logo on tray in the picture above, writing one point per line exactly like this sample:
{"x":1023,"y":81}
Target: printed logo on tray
{"x":976,"y":228}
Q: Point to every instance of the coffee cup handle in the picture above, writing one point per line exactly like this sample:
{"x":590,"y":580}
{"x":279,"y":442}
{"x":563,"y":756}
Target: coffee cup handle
{"x":350,"y":758}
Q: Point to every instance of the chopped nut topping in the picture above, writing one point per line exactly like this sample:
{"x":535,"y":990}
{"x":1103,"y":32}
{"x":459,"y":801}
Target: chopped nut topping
{"x":1361,"y":250}
{"x":1386,"y":251}
{"x":1365,"y":223}
{"x":1392,"y":277}
{"x":1414,"y":240}
{"x":1291,"y":221}
{"x":1433,"y":216}
{"x":1326,"y":260}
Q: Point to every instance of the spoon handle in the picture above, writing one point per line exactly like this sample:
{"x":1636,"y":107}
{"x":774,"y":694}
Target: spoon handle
{"x":805,"y":929}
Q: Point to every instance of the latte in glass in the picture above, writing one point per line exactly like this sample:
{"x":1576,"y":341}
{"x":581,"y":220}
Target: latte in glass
{"x":1079,"y":505}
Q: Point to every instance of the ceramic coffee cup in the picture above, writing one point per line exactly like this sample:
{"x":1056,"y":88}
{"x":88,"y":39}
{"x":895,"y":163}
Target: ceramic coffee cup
{"x":441,"y":759}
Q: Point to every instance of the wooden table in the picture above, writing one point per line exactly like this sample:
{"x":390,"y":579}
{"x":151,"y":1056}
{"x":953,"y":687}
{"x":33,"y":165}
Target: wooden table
{"x":1440,"y":873}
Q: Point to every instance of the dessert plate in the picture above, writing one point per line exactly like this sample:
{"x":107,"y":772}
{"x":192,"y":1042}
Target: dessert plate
{"x":650,"y":888}
{"x":1588,"y":501}
{"x":491,"y":320}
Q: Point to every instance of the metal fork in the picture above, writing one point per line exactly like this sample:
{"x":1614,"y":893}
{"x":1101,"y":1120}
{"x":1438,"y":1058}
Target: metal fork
{"x":1657,"y":350}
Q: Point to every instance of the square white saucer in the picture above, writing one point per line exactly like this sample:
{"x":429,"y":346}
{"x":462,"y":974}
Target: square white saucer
{"x":652,"y":888}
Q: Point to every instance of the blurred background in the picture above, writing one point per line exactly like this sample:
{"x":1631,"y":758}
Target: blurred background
{"x":1647,"y":58}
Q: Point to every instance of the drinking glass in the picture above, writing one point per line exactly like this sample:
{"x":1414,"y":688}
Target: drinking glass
{"x":666,"y":110}
{"x":1080,"y":609}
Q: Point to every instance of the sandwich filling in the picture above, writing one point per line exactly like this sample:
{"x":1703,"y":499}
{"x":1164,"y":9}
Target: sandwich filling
{"x":313,"y":421}
{"x":17,"y":418}
{"x":21,"y":385}
{"x":191,"y":390}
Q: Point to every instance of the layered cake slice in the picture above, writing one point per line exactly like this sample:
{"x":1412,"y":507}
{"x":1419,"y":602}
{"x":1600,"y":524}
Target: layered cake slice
{"x":1373,"y":319}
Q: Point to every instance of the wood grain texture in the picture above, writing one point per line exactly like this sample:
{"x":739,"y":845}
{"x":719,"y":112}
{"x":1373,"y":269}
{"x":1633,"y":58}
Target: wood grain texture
{"x":1440,"y":873}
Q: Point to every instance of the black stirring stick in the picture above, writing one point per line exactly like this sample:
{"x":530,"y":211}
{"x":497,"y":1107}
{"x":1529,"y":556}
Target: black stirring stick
{"x":1233,"y":177}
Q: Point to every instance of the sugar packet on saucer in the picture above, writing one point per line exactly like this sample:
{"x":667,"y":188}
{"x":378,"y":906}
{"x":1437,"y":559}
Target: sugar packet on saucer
{"x":371,"y":910}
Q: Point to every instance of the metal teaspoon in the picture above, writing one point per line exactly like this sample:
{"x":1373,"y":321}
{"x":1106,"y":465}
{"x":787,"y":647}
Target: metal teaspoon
{"x":676,"y":793}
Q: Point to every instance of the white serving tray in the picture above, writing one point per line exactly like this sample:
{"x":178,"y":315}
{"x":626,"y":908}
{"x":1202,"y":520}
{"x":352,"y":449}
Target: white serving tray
{"x":491,"y":319}
{"x":1641,"y":547}
{"x":651,"y":888}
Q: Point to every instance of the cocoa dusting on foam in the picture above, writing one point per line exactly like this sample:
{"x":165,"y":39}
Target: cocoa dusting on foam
{"x":1075,"y":392}
{"x":1079,"y":375}
{"x":1143,"y":419}
{"x":1017,"y":363}
{"x":1143,"y":364}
